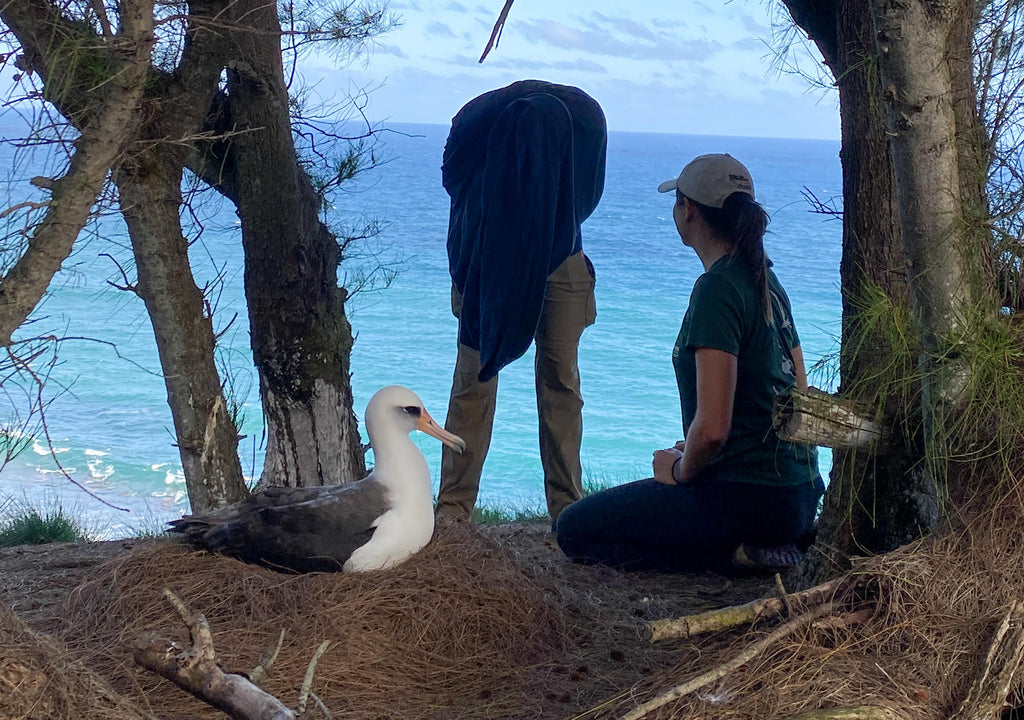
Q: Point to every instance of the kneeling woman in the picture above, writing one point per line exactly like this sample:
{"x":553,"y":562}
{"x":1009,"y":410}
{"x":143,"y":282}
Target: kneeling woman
{"x":732,"y":492}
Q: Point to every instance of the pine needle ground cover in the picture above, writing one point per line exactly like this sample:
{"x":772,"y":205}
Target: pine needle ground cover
{"x":476,"y":627}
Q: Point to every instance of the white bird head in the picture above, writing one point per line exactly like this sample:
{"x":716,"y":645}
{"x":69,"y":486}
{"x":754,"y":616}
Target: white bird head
{"x":400,"y":409}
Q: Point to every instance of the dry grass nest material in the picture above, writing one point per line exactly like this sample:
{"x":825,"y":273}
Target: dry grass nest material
{"x":39,"y":680}
{"x":909,"y":635}
{"x":455,"y":631}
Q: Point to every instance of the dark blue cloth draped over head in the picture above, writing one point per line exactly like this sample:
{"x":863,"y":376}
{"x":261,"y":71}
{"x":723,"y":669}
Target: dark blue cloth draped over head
{"x":524,"y":166}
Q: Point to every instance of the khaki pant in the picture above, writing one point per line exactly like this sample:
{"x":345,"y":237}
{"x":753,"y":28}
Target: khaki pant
{"x":569,"y":307}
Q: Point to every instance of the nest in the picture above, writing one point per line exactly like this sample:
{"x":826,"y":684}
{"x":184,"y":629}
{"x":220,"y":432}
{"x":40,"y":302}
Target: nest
{"x":455,"y":631}
{"x":909,"y":637}
{"x":39,"y":680}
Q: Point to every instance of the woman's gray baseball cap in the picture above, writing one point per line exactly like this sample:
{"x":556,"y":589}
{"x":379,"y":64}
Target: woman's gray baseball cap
{"x":710,"y":179}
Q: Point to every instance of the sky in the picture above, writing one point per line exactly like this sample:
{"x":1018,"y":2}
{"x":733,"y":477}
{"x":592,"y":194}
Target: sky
{"x":689,"y":66}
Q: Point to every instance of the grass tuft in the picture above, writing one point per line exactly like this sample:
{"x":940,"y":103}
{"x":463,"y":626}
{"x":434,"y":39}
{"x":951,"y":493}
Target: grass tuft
{"x":35,"y":526}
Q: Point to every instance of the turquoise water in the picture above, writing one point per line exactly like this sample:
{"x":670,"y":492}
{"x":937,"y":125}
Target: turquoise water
{"x":111,"y":428}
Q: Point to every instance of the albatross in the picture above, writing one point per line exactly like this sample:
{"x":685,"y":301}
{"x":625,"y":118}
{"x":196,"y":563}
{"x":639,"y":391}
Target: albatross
{"x":372,"y":524}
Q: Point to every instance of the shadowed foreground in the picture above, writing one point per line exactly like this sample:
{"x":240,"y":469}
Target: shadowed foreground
{"x":494,"y":622}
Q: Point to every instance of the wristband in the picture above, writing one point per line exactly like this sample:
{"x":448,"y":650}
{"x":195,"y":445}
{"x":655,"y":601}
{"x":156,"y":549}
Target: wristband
{"x":676,"y":479}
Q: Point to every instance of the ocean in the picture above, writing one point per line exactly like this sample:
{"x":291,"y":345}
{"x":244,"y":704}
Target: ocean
{"x":108,"y":421}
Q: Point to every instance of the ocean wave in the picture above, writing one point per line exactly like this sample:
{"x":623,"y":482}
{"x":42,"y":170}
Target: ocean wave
{"x":174,"y":477}
{"x":98,"y":470}
{"x":95,"y":453}
{"x":41,"y":448}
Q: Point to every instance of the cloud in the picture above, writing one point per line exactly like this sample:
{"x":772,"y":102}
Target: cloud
{"x":456,"y":7}
{"x":751,"y":25}
{"x":627,"y":26}
{"x":386,"y":49}
{"x":660,"y":47}
{"x":438,"y":29}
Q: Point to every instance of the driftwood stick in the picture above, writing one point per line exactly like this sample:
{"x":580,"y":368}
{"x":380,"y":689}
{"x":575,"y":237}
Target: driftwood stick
{"x":814,"y":417}
{"x":988,"y":695}
{"x":735,"y":615}
{"x":195,"y":670}
{"x":724,"y":669}
{"x":862,"y":712}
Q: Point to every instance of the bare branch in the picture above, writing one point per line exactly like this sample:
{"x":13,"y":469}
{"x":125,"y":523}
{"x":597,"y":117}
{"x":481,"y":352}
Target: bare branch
{"x":499,"y":25}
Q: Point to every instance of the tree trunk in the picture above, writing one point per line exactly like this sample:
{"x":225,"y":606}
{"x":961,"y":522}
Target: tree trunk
{"x":151,"y":201}
{"x":873,"y":503}
{"x":914,"y":62}
{"x":206,"y":434}
{"x":301,"y":338}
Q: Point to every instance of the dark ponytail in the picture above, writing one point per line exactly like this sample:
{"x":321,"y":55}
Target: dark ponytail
{"x":743,"y":222}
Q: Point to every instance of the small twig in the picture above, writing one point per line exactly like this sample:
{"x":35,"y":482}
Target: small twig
{"x":263,"y":669}
{"x":22,"y":205}
{"x":725,"y":668}
{"x":987,"y":697}
{"x":784,"y":595}
{"x":307,"y":681}
{"x":496,"y":31}
{"x":860,"y":712}
{"x":178,"y":605}
{"x":321,"y":707}
{"x":22,"y":365}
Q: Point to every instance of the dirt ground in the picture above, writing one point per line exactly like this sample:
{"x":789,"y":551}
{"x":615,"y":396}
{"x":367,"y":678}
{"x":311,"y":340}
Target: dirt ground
{"x":609,"y":608}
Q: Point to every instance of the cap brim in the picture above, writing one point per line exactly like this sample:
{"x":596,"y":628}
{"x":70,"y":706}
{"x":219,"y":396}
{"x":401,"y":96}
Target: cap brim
{"x":668,"y":185}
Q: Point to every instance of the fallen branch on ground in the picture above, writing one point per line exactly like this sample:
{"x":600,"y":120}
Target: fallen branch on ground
{"x":195,"y":670}
{"x":736,"y":615}
{"x":724,"y":669}
{"x":989,"y":694}
{"x":862,"y":712}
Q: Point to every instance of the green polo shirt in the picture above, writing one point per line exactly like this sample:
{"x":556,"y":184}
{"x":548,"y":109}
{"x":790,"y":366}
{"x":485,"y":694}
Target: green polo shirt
{"x":725,"y":313}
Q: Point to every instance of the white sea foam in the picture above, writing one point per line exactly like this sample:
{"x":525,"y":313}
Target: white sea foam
{"x":99,"y":470}
{"x":95,"y":453}
{"x":42,"y":448}
{"x":172,"y":477}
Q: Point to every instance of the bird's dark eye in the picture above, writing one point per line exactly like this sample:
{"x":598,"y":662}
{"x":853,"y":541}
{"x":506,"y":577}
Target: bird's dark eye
{"x":412,"y":410}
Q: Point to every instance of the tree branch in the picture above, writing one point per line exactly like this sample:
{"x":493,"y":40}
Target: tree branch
{"x":499,"y":25}
{"x":195,"y":670}
{"x":96,"y":151}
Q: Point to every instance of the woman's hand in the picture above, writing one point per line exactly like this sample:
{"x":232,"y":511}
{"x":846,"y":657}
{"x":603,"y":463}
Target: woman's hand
{"x":664,"y":464}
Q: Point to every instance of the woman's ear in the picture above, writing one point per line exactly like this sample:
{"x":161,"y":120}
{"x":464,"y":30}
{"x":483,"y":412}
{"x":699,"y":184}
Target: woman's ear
{"x":688,"y":208}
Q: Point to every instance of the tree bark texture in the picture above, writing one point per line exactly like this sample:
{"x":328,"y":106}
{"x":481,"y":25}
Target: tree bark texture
{"x":301,"y":338}
{"x":914,"y":60}
{"x":107,"y":114}
{"x":873,"y":502}
{"x":151,"y":201}
{"x":912,"y":56}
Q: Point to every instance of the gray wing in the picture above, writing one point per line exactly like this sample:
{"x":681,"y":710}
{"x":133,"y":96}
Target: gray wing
{"x":304,"y":529}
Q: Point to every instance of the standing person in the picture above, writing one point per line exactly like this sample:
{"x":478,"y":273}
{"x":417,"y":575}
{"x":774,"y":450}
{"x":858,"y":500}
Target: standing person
{"x":732,"y":491}
{"x":524,"y":166}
